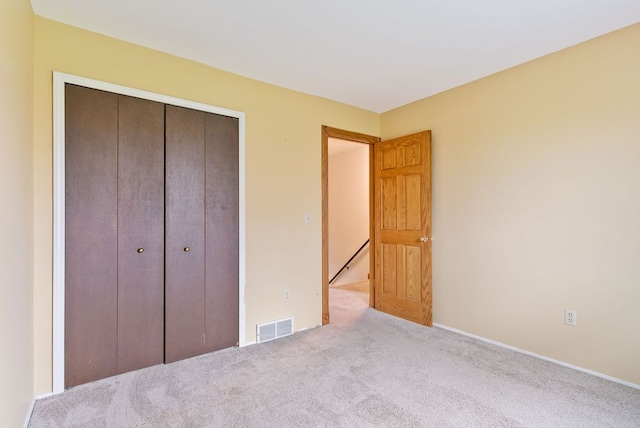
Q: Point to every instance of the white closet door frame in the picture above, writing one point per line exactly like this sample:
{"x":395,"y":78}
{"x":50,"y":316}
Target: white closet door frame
{"x":59,"y":81}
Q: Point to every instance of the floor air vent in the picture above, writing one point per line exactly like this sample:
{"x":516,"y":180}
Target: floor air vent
{"x":274,"y":330}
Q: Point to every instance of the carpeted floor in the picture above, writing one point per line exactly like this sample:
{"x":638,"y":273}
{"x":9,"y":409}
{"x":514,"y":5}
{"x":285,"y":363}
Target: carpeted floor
{"x":366,"y":369}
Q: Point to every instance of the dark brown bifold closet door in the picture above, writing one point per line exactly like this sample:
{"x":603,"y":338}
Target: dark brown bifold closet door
{"x":140,"y":233}
{"x":201,"y":238}
{"x":184,"y":233}
{"x":221,"y":149}
{"x":91,"y":235}
{"x":151,"y":234}
{"x":114,"y":288}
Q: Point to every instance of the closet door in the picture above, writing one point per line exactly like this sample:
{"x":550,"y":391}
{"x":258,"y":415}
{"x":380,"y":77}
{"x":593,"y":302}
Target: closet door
{"x":221,"y":211}
{"x":140,"y":233}
{"x":184,"y":233}
{"x":201,"y":216}
{"x":91,"y":282}
{"x":151,"y":234}
{"x":114,"y":290}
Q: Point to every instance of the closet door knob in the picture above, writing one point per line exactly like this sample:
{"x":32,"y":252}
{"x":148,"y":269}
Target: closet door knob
{"x":187,"y":249}
{"x":140,"y":250}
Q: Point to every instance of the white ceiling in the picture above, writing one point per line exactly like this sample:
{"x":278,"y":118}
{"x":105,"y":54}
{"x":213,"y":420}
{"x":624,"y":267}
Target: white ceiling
{"x":373,"y":54}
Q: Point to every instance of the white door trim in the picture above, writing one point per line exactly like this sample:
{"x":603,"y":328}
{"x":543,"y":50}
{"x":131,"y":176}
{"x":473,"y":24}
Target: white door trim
{"x":59,"y":81}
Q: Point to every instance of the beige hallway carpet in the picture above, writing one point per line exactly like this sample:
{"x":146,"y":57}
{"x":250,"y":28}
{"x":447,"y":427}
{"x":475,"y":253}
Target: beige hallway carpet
{"x":366,"y":369}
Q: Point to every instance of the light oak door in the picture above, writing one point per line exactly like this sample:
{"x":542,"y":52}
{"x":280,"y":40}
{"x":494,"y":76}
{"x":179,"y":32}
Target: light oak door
{"x":402,"y":217}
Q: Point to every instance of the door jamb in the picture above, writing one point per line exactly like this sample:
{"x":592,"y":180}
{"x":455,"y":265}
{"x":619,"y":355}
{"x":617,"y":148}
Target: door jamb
{"x":328,"y":132}
{"x":59,"y":81}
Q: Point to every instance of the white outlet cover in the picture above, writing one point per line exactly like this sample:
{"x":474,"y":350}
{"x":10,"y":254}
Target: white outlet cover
{"x":570,"y":317}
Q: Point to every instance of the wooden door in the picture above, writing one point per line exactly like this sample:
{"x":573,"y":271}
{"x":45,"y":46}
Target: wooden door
{"x":201,"y":235}
{"x":140,"y":233}
{"x":184,"y":233}
{"x":221,"y":215}
{"x":151,"y":233}
{"x":91,"y":239}
{"x":402,"y":217}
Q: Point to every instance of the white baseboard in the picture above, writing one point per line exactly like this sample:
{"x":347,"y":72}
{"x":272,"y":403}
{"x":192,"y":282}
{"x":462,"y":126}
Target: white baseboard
{"x":541,"y":357}
{"x":27,"y":419}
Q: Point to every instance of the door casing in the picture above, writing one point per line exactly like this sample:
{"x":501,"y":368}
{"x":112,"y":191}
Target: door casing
{"x":329,"y":132}
{"x":59,"y":81}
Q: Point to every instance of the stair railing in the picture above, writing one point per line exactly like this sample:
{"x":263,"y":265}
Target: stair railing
{"x":346,"y":265}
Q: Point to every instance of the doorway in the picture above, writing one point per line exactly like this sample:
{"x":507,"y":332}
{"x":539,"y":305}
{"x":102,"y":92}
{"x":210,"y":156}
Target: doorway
{"x":400,"y":273}
{"x":345,"y":241}
{"x":349,"y":245}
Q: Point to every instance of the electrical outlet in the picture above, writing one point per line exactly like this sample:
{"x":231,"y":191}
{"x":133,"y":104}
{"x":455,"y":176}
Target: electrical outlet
{"x":570,"y":317}
{"x":286,"y":295}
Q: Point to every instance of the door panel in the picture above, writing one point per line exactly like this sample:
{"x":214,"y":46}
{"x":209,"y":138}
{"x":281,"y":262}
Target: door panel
{"x":389,"y":264}
{"x":413,"y":269}
{"x":91,"y":123}
{"x":412,"y":197}
{"x":184,"y":233}
{"x":221,"y":320}
{"x":402,"y":216}
{"x":140,"y":228}
{"x":389,"y":202}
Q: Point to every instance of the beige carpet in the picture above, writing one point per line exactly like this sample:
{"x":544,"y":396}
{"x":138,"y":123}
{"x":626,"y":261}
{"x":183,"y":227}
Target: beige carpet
{"x":366,"y":369}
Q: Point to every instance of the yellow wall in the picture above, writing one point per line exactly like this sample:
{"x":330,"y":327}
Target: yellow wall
{"x":16,"y":216}
{"x":282,"y":161}
{"x":536,"y":203}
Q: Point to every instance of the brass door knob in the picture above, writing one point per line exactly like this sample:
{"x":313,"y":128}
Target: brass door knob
{"x":424,"y":239}
{"x":140,"y":250}
{"x":187,"y":249}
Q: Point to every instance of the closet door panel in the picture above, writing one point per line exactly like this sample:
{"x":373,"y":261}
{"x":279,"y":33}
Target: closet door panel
{"x":221,"y":232}
{"x":184,"y":236}
{"x":140,"y":233}
{"x":91,"y":123}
